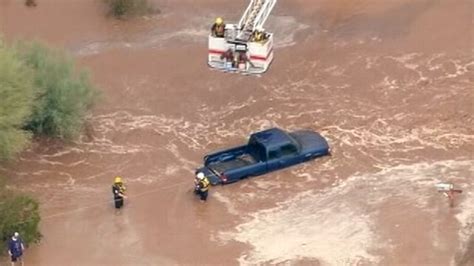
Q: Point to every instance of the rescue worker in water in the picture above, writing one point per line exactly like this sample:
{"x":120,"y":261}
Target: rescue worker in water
{"x":201,"y":186}
{"x":218,"y":28}
{"x":118,"y":189}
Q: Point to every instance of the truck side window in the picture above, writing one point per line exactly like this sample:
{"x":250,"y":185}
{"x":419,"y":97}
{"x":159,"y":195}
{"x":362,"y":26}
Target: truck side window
{"x":273,"y":154}
{"x":288,"y":149}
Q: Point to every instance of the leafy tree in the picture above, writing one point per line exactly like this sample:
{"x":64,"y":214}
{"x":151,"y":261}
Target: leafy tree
{"x":64,"y":95}
{"x":16,"y":101}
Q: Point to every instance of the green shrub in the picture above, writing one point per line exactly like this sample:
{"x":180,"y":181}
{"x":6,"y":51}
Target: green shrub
{"x":64,"y":94}
{"x":41,"y":92}
{"x":127,"y":8}
{"x":17,"y":95}
{"x":18,"y":213}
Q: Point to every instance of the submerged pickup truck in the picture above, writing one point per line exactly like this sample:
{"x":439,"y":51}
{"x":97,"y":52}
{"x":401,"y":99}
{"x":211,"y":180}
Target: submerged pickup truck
{"x":266,"y":151}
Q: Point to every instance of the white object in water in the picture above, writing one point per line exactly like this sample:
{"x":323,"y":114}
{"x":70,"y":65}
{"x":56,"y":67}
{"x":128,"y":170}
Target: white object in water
{"x":444,"y":186}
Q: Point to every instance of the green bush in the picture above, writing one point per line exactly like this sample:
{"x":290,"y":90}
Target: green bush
{"x":17,"y":95}
{"x":18,"y":213}
{"x":64,"y":94}
{"x":127,"y":8}
{"x":41,"y":93}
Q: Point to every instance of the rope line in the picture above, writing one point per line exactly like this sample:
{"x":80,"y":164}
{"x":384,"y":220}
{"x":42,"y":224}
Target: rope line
{"x":110,"y":201}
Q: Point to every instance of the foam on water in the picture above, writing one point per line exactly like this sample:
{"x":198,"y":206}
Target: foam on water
{"x":338,"y":225}
{"x":466,"y":219}
{"x":284,"y":29}
{"x":230,"y":206}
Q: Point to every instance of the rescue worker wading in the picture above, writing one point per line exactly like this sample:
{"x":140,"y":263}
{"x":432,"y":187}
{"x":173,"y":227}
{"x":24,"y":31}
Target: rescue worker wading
{"x":118,"y":189}
{"x":218,"y":28}
{"x":202,"y":186}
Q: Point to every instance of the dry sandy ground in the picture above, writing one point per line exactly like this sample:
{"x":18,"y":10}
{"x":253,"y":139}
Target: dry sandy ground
{"x":388,"y":83}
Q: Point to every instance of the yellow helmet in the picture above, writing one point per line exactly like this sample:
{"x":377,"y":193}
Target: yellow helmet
{"x":219,"y":21}
{"x":118,"y":179}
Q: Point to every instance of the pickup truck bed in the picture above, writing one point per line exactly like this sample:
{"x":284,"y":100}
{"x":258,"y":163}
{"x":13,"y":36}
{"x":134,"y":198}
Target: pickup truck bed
{"x":239,"y":161}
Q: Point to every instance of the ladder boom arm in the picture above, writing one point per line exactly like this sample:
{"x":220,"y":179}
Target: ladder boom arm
{"x":256,"y":14}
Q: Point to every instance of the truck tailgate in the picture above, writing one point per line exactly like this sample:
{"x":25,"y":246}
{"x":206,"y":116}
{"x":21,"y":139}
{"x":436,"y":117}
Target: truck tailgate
{"x":211,"y":175}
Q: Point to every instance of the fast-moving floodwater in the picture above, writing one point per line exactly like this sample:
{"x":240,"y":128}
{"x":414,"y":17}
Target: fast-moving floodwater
{"x":388,"y":83}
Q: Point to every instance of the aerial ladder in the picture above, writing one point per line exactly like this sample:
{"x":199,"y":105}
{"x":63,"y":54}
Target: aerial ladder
{"x":246,"y":47}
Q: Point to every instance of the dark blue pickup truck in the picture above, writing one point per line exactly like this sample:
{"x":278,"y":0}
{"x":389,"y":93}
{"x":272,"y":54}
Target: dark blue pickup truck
{"x":266,"y":151}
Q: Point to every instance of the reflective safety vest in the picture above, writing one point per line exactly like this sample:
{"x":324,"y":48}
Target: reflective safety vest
{"x":118,"y":188}
{"x":259,"y":36}
{"x":204,"y":184}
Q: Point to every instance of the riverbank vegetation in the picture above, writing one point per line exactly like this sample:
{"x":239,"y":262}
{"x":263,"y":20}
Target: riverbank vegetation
{"x":17,"y":98}
{"x":64,"y":94}
{"x":42,"y":94}
{"x":128,"y":8}
{"x":18,"y":213}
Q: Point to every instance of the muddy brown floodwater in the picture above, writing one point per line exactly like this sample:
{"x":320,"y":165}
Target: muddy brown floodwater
{"x":388,"y":83}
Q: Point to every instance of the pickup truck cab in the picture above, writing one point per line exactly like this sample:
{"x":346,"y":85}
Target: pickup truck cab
{"x":266,"y":151}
